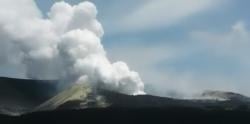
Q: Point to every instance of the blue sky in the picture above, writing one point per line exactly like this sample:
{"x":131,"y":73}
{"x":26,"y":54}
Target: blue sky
{"x":178,"y":46}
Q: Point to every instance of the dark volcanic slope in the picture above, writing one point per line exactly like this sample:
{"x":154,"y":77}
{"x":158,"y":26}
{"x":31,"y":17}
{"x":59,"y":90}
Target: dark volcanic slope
{"x":144,"y":101}
{"x":102,"y":106}
{"x":135,"y":115}
{"x":118,"y":100}
{"x":19,"y":95}
{"x":142,"y":109}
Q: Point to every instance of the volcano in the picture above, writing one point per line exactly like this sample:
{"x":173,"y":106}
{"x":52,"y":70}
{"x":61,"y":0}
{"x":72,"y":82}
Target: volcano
{"x":33,"y":100}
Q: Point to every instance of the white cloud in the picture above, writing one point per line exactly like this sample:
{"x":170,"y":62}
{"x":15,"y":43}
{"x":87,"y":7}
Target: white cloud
{"x":233,"y":43}
{"x":162,"y":13}
{"x":169,"y":81}
{"x":145,"y":59}
{"x":66,"y":45}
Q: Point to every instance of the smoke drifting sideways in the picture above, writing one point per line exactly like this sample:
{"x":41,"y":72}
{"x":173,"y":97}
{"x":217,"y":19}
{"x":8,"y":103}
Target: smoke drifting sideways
{"x":65,"y":45}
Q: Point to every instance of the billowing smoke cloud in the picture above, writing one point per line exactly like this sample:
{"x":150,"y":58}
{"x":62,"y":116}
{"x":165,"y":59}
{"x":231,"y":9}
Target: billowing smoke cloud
{"x":66,"y":45}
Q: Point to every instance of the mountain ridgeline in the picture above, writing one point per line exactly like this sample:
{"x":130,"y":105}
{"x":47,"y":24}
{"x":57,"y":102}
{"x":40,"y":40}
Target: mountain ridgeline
{"x":22,"y":99}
